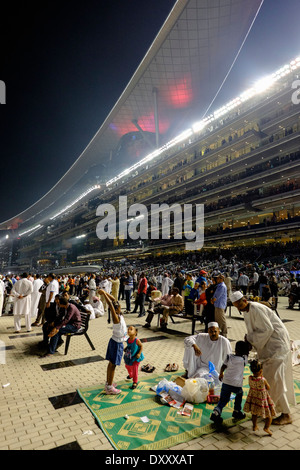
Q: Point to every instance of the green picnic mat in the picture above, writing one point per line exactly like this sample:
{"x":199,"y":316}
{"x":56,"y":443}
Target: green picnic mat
{"x":165,"y":427}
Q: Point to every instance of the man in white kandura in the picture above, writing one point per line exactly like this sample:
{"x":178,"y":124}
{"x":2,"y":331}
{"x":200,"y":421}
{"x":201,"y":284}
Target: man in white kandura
{"x":203,"y":348}
{"x":36,"y":294}
{"x":21,"y":292}
{"x":268,"y":335}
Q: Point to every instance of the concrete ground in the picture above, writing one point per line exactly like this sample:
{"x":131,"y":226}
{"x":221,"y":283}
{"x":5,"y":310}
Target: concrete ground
{"x":40,"y":409}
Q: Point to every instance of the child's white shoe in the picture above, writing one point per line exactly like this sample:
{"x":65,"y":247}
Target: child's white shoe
{"x":112,"y":390}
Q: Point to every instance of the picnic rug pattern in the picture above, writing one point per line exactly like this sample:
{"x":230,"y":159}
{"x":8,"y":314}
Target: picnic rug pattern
{"x":165,"y":427}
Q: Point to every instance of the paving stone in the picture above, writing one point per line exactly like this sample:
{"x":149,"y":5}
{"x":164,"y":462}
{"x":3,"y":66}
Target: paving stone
{"x":28,"y":420}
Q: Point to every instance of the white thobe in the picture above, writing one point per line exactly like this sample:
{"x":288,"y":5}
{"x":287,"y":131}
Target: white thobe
{"x":35,"y":296}
{"x":212,"y":351}
{"x":92,"y":289}
{"x":91,"y":309}
{"x":22,"y":306}
{"x":98,"y":308}
{"x":165,"y":285}
{"x":270,"y":338}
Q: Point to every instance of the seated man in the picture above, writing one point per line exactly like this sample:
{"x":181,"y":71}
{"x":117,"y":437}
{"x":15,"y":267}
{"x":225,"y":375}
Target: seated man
{"x":70,"y":323}
{"x":53,"y":315}
{"x":156,"y":306}
{"x":176,"y":306}
{"x":203,"y":348}
{"x":98,"y":307}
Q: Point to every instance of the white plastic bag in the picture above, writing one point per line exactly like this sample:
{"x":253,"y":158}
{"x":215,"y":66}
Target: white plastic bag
{"x":195,"y":390}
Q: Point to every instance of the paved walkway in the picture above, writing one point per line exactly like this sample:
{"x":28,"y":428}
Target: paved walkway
{"x":40,"y":409}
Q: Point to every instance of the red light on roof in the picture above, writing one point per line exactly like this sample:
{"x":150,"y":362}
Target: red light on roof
{"x":181,"y":93}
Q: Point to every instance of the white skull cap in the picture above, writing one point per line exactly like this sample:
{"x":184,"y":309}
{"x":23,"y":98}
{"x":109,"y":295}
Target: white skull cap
{"x":235,"y":296}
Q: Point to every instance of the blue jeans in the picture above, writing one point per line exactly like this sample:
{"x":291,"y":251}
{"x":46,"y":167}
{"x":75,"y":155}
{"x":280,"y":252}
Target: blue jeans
{"x":127,"y":298}
{"x":55,"y":339}
{"x":226,"y":391}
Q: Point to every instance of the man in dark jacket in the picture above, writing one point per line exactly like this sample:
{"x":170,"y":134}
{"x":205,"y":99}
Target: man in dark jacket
{"x":70,"y":323}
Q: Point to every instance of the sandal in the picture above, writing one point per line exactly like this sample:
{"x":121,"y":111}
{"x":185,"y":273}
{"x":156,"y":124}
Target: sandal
{"x":168,"y":368}
{"x":147,"y":368}
{"x":174,"y":367}
{"x":133,"y":386}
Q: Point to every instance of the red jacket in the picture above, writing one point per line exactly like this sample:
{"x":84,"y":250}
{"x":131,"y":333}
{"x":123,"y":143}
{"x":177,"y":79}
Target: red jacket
{"x":143,"y":284}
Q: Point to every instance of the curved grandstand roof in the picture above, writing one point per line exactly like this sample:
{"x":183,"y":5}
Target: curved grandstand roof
{"x":172,"y":87}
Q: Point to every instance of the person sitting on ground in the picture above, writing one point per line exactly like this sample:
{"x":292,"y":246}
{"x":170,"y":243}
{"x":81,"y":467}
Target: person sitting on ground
{"x":203,"y":348}
{"x":90,"y":308}
{"x":98,"y":306}
{"x":176,"y":306}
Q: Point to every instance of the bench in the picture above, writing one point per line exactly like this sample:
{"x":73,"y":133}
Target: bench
{"x":193,"y":319}
{"x":85,"y":318}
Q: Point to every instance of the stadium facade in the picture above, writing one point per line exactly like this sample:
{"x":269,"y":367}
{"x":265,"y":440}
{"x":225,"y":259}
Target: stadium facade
{"x":241,"y":162}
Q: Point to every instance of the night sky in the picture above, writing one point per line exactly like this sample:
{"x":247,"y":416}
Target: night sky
{"x":65,"y":65}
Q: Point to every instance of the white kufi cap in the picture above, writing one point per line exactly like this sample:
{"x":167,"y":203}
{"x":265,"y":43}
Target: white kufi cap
{"x":235,"y":296}
{"x":213,"y":323}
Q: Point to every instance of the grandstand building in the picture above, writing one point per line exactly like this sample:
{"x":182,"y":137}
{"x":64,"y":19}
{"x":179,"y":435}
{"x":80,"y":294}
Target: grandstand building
{"x":241,"y":162}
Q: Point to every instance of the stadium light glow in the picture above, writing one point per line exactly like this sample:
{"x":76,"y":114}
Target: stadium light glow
{"x":93,"y":188}
{"x":260,"y":86}
{"x":30,"y":230}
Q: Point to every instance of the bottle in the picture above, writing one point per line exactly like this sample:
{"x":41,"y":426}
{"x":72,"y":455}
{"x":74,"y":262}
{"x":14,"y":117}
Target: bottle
{"x":211,"y":385}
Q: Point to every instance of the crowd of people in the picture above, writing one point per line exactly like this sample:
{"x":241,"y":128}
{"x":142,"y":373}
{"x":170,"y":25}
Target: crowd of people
{"x":167,"y":288}
{"x":56,"y":303}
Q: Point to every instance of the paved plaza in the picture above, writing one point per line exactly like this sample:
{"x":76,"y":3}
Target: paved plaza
{"x":40,"y":409}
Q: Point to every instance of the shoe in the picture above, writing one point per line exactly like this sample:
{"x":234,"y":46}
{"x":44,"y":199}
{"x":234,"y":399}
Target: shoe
{"x":147,"y":325}
{"x":133,"y":386}
{"x":128,"y":377}
{"x":238,"y":415}
{"x":216,"y":417}
{"x":111,"y":390}
{"x":141,"y":315}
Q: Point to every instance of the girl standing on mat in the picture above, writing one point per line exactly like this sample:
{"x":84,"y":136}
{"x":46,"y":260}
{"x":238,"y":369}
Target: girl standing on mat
{"x":258,"y":401}
{"x":133,"y":355}
{"x":115,"y":346}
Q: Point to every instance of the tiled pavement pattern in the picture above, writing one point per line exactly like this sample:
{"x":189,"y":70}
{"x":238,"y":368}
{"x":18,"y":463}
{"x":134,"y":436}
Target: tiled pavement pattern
{"x":40,"y":410}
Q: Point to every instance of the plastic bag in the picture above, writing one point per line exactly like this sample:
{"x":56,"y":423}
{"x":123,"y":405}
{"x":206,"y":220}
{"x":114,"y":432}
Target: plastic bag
{"x":195,"y":390}
{"x":165,"y":386}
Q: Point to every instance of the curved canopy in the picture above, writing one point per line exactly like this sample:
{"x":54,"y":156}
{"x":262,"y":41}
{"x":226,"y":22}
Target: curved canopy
{"x":172,"y":87}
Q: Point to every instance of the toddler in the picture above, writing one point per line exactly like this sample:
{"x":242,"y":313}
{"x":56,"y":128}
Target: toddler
{"x":259,"y":402}
{"x":133,"y":355}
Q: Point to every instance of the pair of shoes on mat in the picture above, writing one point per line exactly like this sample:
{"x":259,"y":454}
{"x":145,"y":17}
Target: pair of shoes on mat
{"x":147,"y":368}
{"x":171,"y":367}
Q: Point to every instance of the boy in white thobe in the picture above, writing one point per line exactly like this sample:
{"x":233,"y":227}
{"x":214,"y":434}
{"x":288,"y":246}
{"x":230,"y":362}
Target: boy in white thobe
{"x":21,"y":291}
